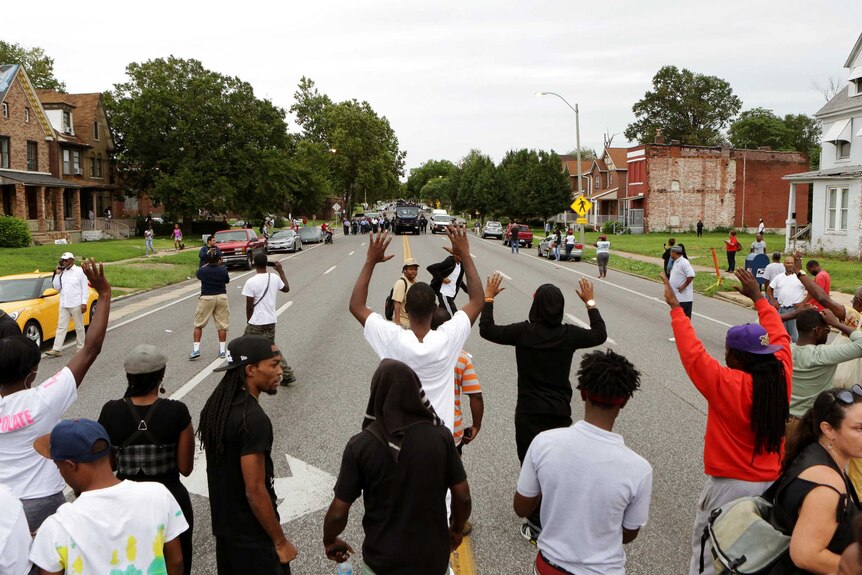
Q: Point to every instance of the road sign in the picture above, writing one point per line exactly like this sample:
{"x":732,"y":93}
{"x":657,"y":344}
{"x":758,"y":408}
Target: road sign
{"x":581,"y":206}
{"x":336,"y":207}
{"x":582,"y":221}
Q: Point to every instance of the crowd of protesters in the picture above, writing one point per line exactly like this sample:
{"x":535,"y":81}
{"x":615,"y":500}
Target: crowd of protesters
{"x":784,"y":419}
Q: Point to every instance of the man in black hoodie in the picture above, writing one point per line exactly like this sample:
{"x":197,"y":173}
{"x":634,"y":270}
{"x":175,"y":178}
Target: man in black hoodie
{"x":544,"y":347}
{"x":447,"y":280}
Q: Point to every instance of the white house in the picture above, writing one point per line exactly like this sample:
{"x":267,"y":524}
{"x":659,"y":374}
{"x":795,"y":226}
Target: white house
{"x":836,"y":214}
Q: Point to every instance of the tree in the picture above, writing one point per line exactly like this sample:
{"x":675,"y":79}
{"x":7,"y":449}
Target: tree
{"x":39,"y":67}
{"x":532,"y":184}
{"x":692,"y":108}
{"x":430,"y":170}
{"x":758,"y":127}
{"x":586,"y":153}
{"x":194,"y":140}
{"x":803,"y":135}
{"x":477,"y":187}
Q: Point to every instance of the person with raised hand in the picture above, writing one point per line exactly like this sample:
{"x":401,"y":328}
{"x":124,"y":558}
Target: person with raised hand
{"x":432,"y":354}
{"x":748,"y":404}
{"x":544,"y":347}
{"x":32,"y":411}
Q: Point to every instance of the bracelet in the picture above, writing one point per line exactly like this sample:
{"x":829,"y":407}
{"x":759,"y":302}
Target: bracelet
{"x":489,"y":300}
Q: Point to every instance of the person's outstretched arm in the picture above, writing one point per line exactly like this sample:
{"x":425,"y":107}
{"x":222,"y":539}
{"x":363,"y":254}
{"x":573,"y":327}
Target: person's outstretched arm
{"x":816,"y":292}
{"x":377,"y":245}
{"x":81,"y":361}
{"x":461,"y":248}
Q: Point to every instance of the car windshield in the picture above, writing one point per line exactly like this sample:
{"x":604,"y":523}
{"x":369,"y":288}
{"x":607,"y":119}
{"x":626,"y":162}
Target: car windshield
{"x":308,"y":231}
{"x":493,"y":225}
{"x":524,"y":228}
{"x":407,"y":212}
{"x":283,"y":235}
{"x":442,"y":219}
{"x":19,"y":290}
{"x":236,"y":236}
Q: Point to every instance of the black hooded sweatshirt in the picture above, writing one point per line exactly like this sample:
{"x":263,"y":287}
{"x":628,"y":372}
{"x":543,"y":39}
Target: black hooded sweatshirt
{"x":544,"y":347}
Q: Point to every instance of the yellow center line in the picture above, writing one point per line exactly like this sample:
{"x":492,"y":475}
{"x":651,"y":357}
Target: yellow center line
{"x":461,"y":559}
{"x":406,"y":242}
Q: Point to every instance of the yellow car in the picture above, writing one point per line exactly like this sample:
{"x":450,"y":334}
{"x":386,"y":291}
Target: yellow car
{"x":32,"y":301}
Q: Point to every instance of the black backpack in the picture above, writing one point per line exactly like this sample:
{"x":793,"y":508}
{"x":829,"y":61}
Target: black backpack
{"x":389,"y":307}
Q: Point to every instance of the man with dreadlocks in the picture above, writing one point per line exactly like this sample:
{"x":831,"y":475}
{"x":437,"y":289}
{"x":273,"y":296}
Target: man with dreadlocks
{"x":586,"y":479}
{"x":402,"y":463}
{"x":237,"y":436}
{"x":748,"y":404}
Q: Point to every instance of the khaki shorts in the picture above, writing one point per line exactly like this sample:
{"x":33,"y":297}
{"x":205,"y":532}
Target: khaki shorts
{"x":215,"y":306}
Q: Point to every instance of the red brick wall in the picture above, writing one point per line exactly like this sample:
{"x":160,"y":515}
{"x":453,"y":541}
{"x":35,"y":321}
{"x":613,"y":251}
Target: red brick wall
{"x":766,"y":194}
{"x":19,"y":131}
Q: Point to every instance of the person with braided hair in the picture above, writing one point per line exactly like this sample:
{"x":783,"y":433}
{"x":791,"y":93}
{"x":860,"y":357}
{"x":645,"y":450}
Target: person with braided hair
{"x":748,"y":404}
{"x":236,"y":435}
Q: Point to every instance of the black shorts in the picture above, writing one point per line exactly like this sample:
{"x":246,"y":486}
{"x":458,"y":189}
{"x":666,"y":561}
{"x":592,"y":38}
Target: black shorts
{"x":234,"y":558}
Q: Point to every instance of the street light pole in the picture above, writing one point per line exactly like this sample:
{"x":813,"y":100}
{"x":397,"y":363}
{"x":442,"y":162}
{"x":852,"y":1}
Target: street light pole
{"x":577,"y":152}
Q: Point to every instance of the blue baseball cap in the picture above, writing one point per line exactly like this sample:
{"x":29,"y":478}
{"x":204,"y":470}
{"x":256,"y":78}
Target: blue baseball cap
{"x":74,"y":440}
{"x":750,"y":337}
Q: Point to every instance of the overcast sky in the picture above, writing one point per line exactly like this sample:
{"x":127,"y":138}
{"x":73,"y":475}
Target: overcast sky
{"x":455,"y":75}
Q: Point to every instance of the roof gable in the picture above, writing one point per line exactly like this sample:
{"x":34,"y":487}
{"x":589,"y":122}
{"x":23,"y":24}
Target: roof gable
{"x":8,"y":74}
{"x":88,"y":108}
{"x":618,"y":157}
{"x":853,"y":59}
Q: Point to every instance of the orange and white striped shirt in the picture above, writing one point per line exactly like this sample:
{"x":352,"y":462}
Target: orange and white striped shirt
{"x":467,"y":383}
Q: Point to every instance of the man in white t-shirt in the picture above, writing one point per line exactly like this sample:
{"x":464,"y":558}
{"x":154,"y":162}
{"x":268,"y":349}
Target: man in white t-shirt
{"x":594,"y":491}
{"x":71,"y":282}
{"x":681,"y":279}
{"x":774,"y":269}
{"x":14,"y":535}
{"x":260,"y":294}
{"x":432,"y":354}
{"x":113,"y":526}
{"x":786,"y":293}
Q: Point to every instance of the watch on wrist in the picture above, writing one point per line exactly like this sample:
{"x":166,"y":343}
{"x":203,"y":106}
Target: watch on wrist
{"x":801,"y":273}
{"x":591,"y":303}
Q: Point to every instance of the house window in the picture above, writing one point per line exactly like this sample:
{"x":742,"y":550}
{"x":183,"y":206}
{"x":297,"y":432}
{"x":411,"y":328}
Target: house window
{"x":611,"y":179}
{"x":72,"y":162}
{"x":4,"y":152}
{"x":5,"y":110}
{"x":96,"y":166}
{"x":32,"y":156}
{"x":27,"y":115}
{"x":598,"y":183}
{"x":67,"y":122}
{"x":95,"y":130}
{"x":843,"y":149}
{"x":836,"y":213}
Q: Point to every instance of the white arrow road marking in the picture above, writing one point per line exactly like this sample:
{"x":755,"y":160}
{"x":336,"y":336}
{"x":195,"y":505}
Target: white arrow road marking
{"x":308,"y":489}
{"x":351,"y":253}
{"x":587,"y":326}
{"x":329,"y":270}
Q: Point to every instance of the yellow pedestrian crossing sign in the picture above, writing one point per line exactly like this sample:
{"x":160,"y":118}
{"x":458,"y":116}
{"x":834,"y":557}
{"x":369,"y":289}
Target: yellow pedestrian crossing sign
{"x":581,"y":206}
{"x":582,"y":221}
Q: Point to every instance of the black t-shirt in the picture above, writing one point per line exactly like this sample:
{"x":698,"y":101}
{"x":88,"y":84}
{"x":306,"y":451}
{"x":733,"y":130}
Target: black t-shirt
{"x":8,"y":326}
{"x":202,"y":254}
{"x":167,"y":422}
{"x":406,"y":530}
{"x":247,"y":430}
{"x":214,"y":279}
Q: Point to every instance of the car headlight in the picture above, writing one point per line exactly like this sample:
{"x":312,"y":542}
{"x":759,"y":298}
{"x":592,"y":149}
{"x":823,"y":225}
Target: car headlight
{"x":14,"y":315}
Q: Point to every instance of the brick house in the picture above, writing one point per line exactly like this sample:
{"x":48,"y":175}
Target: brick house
{"x":28,"y":188}
{"x":836,"y":218}
{"x":671,"y":186}
{"x":83,"y":150}
{"x":603,"y":182}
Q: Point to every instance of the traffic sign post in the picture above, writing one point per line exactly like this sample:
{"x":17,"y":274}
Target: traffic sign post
{"x":582,"y":206}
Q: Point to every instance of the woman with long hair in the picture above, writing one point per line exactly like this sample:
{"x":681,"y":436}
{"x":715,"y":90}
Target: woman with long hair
{"x":816,"y":502}
{"x":748,"y":404}
{"x":152,"y":437}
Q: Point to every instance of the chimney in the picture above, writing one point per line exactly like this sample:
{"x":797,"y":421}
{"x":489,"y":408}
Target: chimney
{"x":674,"y":142}
{"x":659,"y":139}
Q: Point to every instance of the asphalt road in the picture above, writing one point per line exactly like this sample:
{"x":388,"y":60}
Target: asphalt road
{"x":314,"y":418}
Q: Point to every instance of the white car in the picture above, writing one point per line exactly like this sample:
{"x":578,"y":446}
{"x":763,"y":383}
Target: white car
{"x":493,"y":230}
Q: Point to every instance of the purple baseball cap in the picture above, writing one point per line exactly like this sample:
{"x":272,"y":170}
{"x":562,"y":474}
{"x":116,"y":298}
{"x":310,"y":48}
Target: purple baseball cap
{"x":750,"y":337}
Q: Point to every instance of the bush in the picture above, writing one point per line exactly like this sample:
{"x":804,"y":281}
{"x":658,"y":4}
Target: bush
{"x":14,"y":233}
{"x":614,"y":227}
{"x":721,"y":229}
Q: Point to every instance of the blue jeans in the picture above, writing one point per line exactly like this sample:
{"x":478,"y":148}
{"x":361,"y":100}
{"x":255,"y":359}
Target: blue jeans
{"x":516,"y":246}
{"x":790,"y":325}
{"x":557,"y":252}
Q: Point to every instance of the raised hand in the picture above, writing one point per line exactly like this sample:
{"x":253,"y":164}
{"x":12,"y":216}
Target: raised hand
{"x":492,"y":288}
{"x":749,"y":286}
{"x":831,"y":319}
{"x":96,"y":276}
{"x":669,"y":295}
{"x":797,"y":261}
{"x":458,"y":237}
{"x":377,"y":244}
{"x":584,"y":290}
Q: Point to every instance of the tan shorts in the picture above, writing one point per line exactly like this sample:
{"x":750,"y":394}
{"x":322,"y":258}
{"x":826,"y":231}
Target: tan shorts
{"x":215,"y":306}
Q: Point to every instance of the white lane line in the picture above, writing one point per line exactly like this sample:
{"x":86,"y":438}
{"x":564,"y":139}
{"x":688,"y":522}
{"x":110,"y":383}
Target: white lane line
{"x":329,"y":270}
{"x":362,"y":244}
{"x":351,"y":253}
{"x":472,"y":255}
{"x":502,"y":274}
{"x":631,"y":291}
{"x":188,"y":386}
{"x":587,"y":326}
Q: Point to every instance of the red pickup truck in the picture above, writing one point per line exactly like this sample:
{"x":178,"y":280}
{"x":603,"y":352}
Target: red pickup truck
{"x":238,"y":246}
{"x":525,"y":235}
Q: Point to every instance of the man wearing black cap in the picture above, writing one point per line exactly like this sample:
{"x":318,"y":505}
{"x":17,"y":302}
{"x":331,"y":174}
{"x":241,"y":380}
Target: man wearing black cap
{"x":113,"y":526}
{"x":237,"y":436}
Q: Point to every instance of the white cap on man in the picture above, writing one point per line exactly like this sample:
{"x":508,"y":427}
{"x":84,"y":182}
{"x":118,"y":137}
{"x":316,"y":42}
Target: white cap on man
{"x":67,"y":256}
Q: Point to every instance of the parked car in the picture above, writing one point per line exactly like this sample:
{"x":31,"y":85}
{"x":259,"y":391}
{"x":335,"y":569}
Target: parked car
{"x":238,"y":246}
{"x":32,"y":301}
{"x":525,"y":236}
{"x":406,"y":219}
{"x":283,"y":241}
{"x":493,"y":230}
{"x":439,"y":223}
{"x":310,"y":235}
{"x":545,"y":250}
